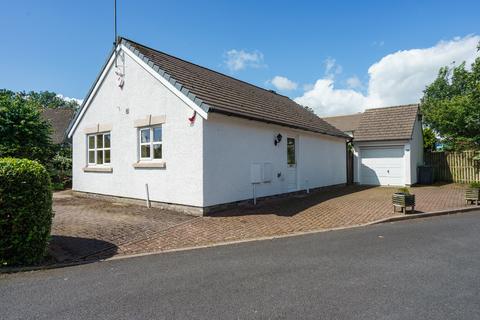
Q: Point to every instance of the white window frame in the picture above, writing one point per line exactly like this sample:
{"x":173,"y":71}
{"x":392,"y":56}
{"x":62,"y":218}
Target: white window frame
{"x":151,"y":143}
{"x":95,"y":149}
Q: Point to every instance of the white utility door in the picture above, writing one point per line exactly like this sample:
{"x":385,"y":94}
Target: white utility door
{"x":382,"y":166}
{"x":291,"y":164}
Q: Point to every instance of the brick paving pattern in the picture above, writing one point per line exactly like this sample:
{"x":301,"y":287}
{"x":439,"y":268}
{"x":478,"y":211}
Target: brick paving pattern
{"x":129,"y":229}
{"x":83,"y":226}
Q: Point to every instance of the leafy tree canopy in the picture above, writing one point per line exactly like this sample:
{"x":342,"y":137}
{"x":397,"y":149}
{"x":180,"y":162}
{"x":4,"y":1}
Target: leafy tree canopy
{"x":429,"y":139}
{"x":24,"y":133}
{"x":48,"y":99}
{"x":451,"y":106}
{"x":309,"y":109}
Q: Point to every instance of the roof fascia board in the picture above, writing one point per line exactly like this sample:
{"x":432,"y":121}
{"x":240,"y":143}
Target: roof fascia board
{"x":150,"y":69}
{"x":380,"y":141}
{"x":91,"y":94}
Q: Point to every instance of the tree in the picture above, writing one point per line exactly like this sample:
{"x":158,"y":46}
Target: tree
{"x":451,"y":106}
{"x":429,"y":139}
{"x":309,"y":109}
{"x":23,"y":131}
{"x":48,"y":99}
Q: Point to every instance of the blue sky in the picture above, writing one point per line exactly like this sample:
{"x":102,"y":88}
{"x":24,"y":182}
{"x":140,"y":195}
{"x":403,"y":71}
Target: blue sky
{"x":60,"y":45}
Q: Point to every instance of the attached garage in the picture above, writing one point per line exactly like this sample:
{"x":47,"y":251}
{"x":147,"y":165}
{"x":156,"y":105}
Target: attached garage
{"x":382,"y":166}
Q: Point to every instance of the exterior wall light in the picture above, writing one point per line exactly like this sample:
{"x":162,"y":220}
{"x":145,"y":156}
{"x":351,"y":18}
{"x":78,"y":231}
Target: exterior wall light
{"x":277,"y":140}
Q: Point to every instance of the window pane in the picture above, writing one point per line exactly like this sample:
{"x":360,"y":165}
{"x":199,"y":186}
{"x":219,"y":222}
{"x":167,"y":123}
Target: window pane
{"x":145,"y":135}
{"x":106,"y":139}
{"x":157,"y":151}
{"x":107,"y":156}
{"x":91,"y":142}
{"x":100,"y":141}
{"x":157,"y":134}
{"x":145,"y":151}
{"x":99,"y":157}
{"x":291,"y":151}
{"x":91,"y":156}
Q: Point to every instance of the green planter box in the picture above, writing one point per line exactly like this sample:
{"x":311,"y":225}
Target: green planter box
{"x":403,"y":201}
{"x":472,"y":195}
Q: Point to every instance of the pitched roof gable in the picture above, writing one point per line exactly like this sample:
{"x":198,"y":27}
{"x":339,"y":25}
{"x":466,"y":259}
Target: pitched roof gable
{"x":59,"y":119}
{"x":219,"y":93}
{"x":345,"y":123}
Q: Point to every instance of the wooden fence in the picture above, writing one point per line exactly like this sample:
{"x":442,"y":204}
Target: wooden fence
{"x":454,"y":166}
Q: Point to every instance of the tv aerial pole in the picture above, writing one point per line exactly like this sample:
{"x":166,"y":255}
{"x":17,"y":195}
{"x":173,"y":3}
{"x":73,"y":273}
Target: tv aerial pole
{"x":115,"y":29}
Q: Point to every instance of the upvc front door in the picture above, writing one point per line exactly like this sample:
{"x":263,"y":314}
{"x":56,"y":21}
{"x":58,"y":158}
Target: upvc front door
{"x":291,"y":164}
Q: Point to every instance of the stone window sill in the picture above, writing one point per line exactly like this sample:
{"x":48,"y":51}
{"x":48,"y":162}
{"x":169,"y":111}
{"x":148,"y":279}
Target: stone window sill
{"x":150,"y":165}
{"x":98,"y":169}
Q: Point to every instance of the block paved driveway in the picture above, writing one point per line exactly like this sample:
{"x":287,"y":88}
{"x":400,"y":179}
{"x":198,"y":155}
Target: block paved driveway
{"x":89,"y":229}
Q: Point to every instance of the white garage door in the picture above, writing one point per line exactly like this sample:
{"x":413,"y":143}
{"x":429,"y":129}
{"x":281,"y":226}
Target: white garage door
{"x":382,"y":166}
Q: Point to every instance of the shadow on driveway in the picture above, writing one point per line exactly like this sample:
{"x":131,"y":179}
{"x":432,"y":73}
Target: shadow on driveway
{"x":74,"y":249}
{"x":290,"y":205}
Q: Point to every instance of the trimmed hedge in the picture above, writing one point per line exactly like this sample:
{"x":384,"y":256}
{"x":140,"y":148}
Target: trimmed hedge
{"x":25,"y":211}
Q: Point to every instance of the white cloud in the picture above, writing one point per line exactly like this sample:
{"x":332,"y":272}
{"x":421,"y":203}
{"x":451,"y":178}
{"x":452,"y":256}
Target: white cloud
{"x":283,"y":83}
{"x":401,"y":77}
{"x":332,"y":68}
{"x":398,"y":78}
{"x":308,"y":86}
{"x":354,"y":82}
{"x":61,"y":96}
{"x":378,"y":43}
{"x":237,"y":60}
{"x":326,"y":100}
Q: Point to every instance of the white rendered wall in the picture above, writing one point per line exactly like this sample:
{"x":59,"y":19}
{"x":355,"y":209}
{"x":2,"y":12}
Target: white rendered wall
{"x":416,"y":145}
{"x":231,"y":145}
{"x":181,"y":181}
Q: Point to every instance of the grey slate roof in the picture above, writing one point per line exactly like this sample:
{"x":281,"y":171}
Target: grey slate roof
{"x":390,"y":123}
{"x":219,"y":93}
{"x":59,"y":119}
{"x":345,"y":123}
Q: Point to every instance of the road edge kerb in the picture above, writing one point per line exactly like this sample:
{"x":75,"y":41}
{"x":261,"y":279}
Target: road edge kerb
{"x":39,"y":268}
{"x":396,"y":218}
{"x":384,"y":220}
{"x":425,"y":215}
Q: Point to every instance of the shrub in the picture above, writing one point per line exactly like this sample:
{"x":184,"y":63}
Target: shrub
{"x":25,"y":211}
{"x":403,"y":190}
{"x":475,"y":185}
{"x":60,"y":169}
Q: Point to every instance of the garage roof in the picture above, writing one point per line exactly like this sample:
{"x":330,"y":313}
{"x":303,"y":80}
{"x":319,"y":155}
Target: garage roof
{"x":390,"y":123}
